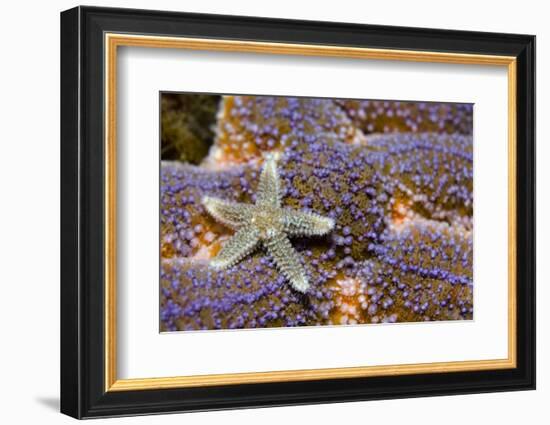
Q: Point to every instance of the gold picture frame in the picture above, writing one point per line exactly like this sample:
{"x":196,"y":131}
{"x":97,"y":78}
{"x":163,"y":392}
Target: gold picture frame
{"x":114,"y":41}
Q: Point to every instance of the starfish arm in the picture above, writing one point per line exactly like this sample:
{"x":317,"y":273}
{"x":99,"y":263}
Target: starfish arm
{"x":301,"y":223}
{"x":236,"y":248}
{"x":232,"y":214}
{"x":288,"y":261}
{"x":269,"y":187}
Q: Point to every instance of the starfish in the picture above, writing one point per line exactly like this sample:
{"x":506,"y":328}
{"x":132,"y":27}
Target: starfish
{"x":268,"y":223}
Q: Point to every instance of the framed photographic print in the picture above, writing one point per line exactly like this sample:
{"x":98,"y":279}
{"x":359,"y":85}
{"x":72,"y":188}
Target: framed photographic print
{"x":261,"y":212}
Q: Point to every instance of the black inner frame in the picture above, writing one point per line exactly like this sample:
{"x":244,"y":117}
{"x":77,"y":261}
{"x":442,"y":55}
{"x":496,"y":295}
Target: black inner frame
{"x":82,"y":212}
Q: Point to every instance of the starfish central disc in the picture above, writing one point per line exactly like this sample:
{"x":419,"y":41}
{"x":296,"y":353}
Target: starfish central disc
{"x":267,"y":223}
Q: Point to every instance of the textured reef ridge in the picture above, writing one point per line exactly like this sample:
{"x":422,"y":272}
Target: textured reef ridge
{"x":268,"y":224}
{"x":395,"y":177}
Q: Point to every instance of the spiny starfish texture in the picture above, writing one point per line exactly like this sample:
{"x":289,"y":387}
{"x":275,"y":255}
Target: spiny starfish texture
{"x":401,"y":199}
{"x":266,"y":222}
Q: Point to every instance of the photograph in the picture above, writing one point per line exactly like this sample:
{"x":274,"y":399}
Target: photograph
{"x":262,"y":211}
{"x":280,"y":211}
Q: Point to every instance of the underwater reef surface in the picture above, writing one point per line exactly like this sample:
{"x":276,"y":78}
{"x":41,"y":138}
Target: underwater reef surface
{"x":187,"y":123}
{"x":400,"y":195}
{"x":383,"y":116}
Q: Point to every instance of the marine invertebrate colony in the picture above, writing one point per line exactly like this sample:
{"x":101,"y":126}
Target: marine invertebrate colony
{"x":401,"y":204}
{"x":268,"y":223}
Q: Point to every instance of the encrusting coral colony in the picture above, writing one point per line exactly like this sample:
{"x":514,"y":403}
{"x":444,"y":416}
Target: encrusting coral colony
{"x":320,"y":212}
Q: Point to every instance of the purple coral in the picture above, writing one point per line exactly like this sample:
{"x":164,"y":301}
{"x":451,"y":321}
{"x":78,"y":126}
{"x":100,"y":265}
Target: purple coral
{"x":402,"y":203}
